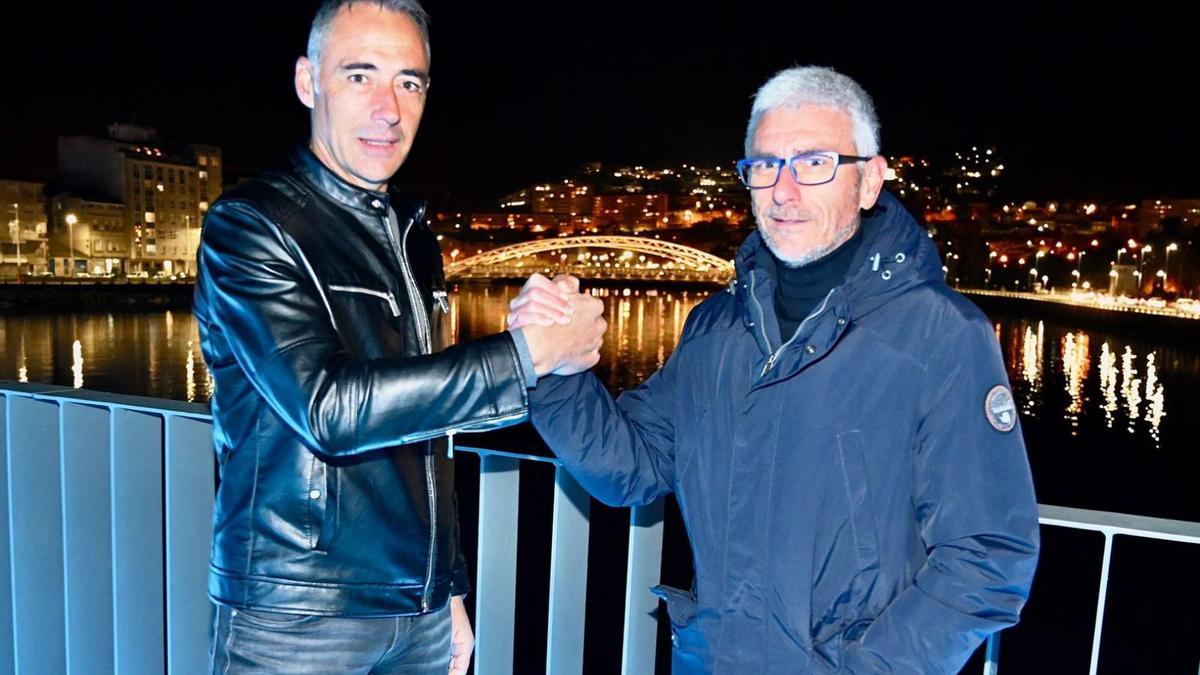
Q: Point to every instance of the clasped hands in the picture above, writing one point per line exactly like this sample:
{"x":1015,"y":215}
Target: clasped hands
{"x":563,"y":328}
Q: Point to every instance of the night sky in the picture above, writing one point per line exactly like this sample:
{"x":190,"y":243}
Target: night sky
{"x":1097,"y":107}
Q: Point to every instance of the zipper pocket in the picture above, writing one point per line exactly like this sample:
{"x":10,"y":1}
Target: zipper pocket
{"x":382,"y":295}
{"x":431,"y":486}
{"x":442,"y":302}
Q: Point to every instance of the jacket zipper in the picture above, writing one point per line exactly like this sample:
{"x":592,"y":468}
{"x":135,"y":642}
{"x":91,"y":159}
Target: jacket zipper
{"x":442,"y":301}
{"x":761,"y":316}
{"x":762,"y":325}
{"x":391,"y":299}
{"x":423,"y":338}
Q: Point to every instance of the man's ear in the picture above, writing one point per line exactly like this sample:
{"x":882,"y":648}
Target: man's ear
{"x":306,"y":82}
{"x":872,"y":181}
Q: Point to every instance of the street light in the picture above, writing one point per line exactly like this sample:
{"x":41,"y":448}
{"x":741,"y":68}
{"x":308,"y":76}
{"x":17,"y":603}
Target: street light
{"x":17,"y":236}
{"x":1115,"y":273}
{"x":1166,"y":266}
{"x":191,"y":252}
{"x":71,"y":220}
{"x":1141,"y":259}
{"x":1078,"y":273}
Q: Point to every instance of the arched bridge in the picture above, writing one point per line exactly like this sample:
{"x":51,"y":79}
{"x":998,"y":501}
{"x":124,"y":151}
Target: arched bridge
{"x":596,"y":257}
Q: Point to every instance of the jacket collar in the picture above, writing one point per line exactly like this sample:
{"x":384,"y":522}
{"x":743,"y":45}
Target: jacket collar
{"x":328,"y":183}
{"x":895,"y":255}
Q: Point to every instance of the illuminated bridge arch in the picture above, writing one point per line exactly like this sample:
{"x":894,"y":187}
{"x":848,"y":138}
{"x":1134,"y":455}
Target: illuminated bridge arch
{"x":681,"y":263}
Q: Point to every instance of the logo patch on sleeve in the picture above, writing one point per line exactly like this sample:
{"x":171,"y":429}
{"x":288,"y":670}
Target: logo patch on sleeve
{"x":1000,"y":409}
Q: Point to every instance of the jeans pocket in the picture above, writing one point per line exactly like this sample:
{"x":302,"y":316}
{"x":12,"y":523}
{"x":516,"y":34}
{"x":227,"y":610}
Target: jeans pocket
{"x":271,"y":620}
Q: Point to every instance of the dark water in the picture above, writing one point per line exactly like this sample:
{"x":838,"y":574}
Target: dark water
{"x":1111,"y":421}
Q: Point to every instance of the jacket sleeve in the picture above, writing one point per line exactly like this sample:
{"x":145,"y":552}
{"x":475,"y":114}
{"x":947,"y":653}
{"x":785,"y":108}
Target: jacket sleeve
{"x":255,"y":289}
{"x":622,"y":451}
{"x":976,"y":514}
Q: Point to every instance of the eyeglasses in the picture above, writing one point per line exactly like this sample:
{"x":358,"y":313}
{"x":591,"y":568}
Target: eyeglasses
{"x":810,"y":168}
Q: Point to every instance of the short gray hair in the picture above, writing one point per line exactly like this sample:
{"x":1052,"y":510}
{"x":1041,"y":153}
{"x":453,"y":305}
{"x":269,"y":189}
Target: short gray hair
{"x":817,"y":85}
{"x":323,"y":22}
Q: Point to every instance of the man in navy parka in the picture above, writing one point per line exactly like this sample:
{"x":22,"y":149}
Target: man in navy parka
{"x":838,"y":427}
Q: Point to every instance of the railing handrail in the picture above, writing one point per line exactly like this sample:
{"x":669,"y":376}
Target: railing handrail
{"x":1110,"y":522}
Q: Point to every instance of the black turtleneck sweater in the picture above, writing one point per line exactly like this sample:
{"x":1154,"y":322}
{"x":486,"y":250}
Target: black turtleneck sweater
{"x":799,"y":289}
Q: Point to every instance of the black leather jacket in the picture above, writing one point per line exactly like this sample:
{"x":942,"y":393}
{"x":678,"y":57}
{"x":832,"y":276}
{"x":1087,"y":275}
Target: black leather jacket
{"x":325,"y":328}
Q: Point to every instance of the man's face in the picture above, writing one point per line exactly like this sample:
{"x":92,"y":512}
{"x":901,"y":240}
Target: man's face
{"x":368,"y":95}
{"x":802,"y":223}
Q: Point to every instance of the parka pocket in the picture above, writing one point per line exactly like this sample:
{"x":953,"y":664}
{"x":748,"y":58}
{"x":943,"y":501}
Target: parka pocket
{"x":688,"y":647}
{"x":858,"y":496}
{"x":847,"y":579}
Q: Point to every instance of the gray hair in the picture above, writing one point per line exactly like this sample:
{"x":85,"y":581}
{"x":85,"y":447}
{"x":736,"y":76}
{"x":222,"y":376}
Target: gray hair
{"x":816,"y":85}
{"x":322,"y":23}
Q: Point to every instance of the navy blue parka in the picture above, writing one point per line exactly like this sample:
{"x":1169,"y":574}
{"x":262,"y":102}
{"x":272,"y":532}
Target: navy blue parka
{"x":857,"y":495}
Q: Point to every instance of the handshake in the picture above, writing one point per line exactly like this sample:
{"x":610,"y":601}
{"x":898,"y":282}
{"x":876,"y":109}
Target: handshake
{"x":563,"y":328}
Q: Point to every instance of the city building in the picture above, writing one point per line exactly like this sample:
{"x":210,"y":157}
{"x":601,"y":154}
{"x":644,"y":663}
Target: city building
{"x":91,"y":235}
{"x":166,"y":188}
{"x":23,"y":249}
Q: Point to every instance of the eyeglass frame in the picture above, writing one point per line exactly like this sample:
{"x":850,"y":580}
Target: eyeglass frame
{"x":839,"y":159}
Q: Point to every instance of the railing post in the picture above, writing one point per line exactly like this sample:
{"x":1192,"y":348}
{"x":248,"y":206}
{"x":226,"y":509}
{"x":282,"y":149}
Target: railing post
{"x":35,"y":531}
{"x":991,"y":658}
{"x":1100,"y":602}
{"x":640,"y":638}
{"x":6,"y":604}
{"x":87,"y":537}
{"x":568,"y":576}
{"x":189,"y":484}
{"x":137,"y":542}
{"x":496,"y":579}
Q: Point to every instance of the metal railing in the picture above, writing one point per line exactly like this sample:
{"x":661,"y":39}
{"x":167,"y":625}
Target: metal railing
{"x":1111,"y":525}
{"x":106,"y":525}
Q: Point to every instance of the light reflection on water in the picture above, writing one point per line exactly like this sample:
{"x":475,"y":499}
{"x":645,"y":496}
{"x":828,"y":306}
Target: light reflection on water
{"x":1051,"y":367}
{"x":1031,"y":366}
{"x":158,"y":353}
{"x":1129,"y":391}
{"x":1076,"y":364}
{"x":142,"y":353}
{"x":643,"y":324}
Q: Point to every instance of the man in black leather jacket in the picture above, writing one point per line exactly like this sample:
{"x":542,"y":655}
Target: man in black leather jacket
{"x":323,"y":318}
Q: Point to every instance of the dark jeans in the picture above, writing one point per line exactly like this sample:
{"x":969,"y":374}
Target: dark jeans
{"x":253,"y":641}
